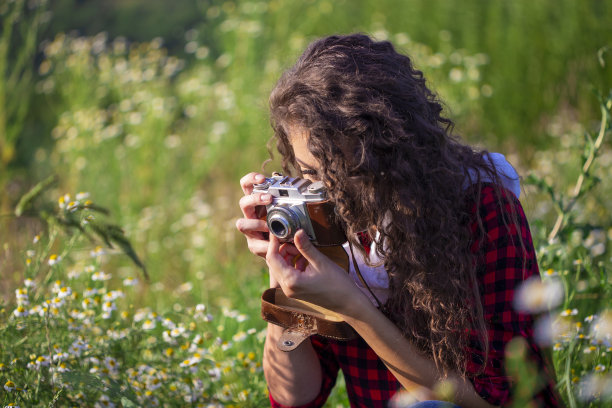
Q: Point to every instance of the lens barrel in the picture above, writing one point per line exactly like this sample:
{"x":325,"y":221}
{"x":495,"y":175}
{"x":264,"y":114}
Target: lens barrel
{"x":283,"y":222}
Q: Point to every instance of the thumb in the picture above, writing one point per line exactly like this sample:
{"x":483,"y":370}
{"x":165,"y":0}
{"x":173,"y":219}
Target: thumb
{"x":303,"y":244}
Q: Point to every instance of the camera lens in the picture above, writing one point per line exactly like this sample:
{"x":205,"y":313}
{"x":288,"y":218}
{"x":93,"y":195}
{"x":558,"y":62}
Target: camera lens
{"x":279,"y":228}
{"x":283,"y":222}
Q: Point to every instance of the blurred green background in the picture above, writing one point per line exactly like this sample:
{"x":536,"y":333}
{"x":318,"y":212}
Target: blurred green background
{"x":157,"y":108}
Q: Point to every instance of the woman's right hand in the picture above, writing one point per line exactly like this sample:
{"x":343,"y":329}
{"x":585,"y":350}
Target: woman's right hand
{"x":254,"y":229}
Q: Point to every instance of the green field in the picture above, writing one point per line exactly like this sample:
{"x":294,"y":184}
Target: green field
{"x":155,"y":116}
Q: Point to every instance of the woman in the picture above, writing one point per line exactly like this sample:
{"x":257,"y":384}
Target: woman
{"x":442,"y":221}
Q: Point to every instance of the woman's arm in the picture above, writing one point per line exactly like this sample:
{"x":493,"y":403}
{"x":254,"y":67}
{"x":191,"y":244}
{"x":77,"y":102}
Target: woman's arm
{"x":293,"y":378}
{"x":407,"y":365}
{"x":322,"y":282}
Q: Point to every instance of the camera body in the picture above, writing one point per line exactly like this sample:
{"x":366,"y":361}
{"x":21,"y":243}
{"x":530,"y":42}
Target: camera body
{"x":296,"y":204}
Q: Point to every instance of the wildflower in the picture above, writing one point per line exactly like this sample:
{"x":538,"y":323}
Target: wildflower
{"x":569,"y":312}
{"x":140,"y":315}
{"x":61,"y":356}
{"x":64,"y":292}
{"x":101,"y":276}
{"x":149,"y":324}
{"x":550,"y":272}
{"x":90,"y":268}
{"x":21,"y":295}
{"x":36,"y":239}
{"x":37,"y":362}
{"x":601,"y":328}
{"x":9,"y":386}
{"x":73,"y":206}
{"x":54,"y":259}
{"x":29,"y":283}
{"x":82,"y":196}
{"x":113,"y":295}
{"x":108,"y":307}
{"x":535,"y":295}
{"x":590,"y":349}
{"x":111,"y":364}
{"x":98,"y":251}
{"x":185,"y":287}
{"x":215,"y":374}
{"x":226,"y":345}
{"x":57,"y":302}
{"x":20,"y":311}
{"x":130,"y":282}
{"x":12,"y":405}
{"x":548,"y":330}
{"x":177,"y":331}
{"x":105,"y":402}
{"x":168,"y":323}
{"x":168,"y":337}
{"x":63,"y":200}
{"x":600,"y":368}
{"x":240,"y":336}
{"x":595,"y":386}
{"x":589,"y":318}
{"x":153,"y":383}
{"x":89,"y":292}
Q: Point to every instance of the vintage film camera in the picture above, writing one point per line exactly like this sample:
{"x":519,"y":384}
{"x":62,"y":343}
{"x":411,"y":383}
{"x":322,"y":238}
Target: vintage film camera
{"x":299,"y":203}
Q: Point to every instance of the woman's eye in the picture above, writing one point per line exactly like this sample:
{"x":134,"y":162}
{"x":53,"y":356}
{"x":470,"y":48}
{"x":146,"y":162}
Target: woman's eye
{"x":309,"y":172}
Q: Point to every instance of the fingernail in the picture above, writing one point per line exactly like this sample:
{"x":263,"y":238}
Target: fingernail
{"x":265,"y":197}
{"x":259,"y":177}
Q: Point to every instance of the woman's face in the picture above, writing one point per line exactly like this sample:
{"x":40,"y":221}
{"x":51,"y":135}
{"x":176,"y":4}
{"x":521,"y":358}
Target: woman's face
{"x":298,"y":137}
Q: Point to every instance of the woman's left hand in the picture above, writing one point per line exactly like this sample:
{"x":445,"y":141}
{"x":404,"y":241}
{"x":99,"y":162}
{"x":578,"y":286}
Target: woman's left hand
{"x":313,"y":277}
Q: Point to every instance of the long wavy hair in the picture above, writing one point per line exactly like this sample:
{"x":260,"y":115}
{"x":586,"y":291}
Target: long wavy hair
{"x":392,"y":165}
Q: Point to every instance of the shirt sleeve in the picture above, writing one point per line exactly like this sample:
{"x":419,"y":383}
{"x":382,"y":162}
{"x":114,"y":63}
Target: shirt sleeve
{"x":329,"y":371}
{"x":505,"y":258}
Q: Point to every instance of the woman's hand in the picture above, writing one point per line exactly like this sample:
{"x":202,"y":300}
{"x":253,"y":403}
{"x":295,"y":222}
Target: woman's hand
{"x":304,"y":273}
{"x":254,"y":229}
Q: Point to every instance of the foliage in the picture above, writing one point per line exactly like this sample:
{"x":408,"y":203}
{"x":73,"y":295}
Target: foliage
{"x":76,"y":339}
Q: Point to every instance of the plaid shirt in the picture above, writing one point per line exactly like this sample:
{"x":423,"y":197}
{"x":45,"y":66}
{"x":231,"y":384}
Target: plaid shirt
{"x":500,"y":269}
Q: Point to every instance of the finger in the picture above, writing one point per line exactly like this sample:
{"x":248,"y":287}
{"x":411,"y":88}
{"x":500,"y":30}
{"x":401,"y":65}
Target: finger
{"x":249,"y":202}
{"x":275,"y":262}
{"x":301,"y":263}
{"x":247,"y":182}
{"x":249,"y":226}
{"x":303,"y":244}
{"x":289,"y":250}
{"x":258,"y":247}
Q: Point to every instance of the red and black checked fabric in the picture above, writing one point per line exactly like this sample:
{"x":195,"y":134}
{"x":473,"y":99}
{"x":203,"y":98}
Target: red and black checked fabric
{"x":501,"y":267}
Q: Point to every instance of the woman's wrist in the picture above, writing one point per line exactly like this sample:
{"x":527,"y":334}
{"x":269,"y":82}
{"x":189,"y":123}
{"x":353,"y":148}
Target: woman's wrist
{"x":356,"y":306}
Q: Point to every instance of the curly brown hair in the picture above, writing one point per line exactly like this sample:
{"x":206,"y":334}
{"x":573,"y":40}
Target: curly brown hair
{"x":392,"y":164}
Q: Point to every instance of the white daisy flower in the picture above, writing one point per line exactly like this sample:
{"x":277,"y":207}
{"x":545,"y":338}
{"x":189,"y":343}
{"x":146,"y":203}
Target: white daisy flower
{"x":101,"y":276}
{"x":82,"y":196}
{"x":535,"y":295}
{"x":569,"y":312}
{"x":9,"y":386}
{"x":20,"y":311}
{"x":54,"y":259}
{"x":149,"y":324}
